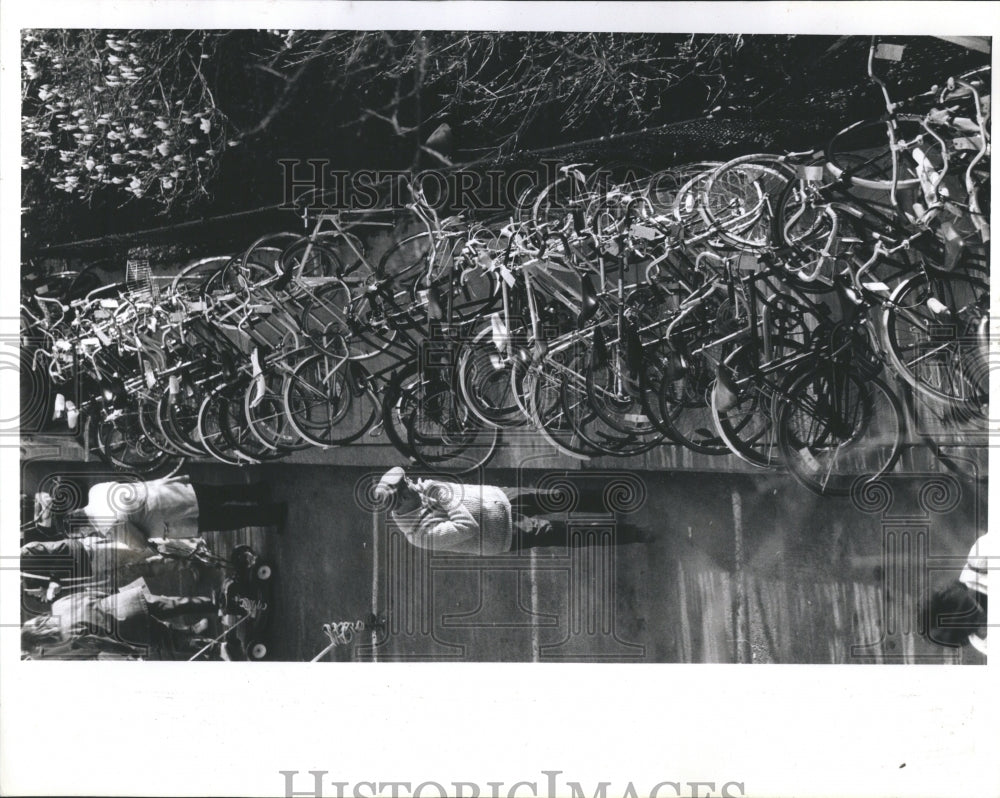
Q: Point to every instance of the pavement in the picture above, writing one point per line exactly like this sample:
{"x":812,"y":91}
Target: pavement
{"x":731,"y":568}
{"x":807,"y":579}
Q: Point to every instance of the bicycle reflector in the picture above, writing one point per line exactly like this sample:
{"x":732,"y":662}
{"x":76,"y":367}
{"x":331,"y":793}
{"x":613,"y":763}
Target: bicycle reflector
{"x":890,"y":52}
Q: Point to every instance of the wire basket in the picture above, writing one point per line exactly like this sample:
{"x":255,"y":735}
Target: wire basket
{"x":139,"y":280}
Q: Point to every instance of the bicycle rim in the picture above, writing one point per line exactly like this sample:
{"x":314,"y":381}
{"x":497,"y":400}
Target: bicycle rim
{"x":931,"y":336}
{"x":836,"y":427}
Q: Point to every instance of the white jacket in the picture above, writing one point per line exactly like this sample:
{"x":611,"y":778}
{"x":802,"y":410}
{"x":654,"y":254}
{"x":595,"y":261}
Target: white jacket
{"x":465,"y":519}
{"x":163,"y":508}
{"x":982,"y":557}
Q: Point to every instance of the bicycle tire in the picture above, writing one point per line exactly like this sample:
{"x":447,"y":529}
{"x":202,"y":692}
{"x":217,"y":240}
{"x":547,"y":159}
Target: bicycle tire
{"x":743,"y":414}
{"x":685,"y":409}
{"x":937,"y":349}
{"x":322,"y":405}
{"x":664,"y":186}
{"x":266,"y":415}
{"x":654,"y":370}
{"x":355,"y":269}
{"x":211,"y":434}
{"x":443,"y":435}
{"x":189,"y":282}
{"x":484,"y":379}
{"x":147,"y":408}
{"x":310,"y":257}
{"x":235,"y":426}
{"x":178,"y":420}
{"x":408,"y":259}
{"x":564,"y":380}
{"x":615,"y":393}
{"x":122,"y":443}
{"x":870,"y":137}
{"x":603,"y":438}
{"x":267,"y":251}
{"x":838,"y":427}
{"x":736,"y":197}
{"x":543,"y":396}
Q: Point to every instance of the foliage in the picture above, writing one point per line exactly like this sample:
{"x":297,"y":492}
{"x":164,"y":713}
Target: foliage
{"x":113,"y":116}
{"x":130,"y":110}
{"x":501,"y":88}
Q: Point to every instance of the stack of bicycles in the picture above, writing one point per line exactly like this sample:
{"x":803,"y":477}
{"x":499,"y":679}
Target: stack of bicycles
{"x":807,"y":311}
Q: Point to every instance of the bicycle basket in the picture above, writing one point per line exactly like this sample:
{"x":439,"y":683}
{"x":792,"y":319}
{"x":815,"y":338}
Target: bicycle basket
{"x":139,"y":280}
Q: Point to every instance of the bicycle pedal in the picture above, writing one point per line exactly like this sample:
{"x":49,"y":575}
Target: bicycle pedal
{"x":497,"y":362}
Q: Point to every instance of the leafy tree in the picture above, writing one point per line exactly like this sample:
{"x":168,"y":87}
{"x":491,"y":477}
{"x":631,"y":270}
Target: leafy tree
{"x":126,"y":110}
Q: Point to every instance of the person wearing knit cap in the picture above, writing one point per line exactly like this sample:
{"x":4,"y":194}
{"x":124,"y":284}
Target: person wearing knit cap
{"x":957,"y":612}
{"x":476,"y":519}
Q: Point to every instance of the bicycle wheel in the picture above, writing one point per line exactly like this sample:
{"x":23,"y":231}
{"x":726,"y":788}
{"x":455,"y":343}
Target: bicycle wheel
{"x":441,"y":432}
{"x":743,"y":404}
{"x":484,"y":379}
{"x":397,"y":409}
{"x":545,"y":404}
{"x":837,"y":425}
{"x":596,"y":433}
{"x":188,"y":285}
{"x":177,"y":417}
{"x":211,"y":430}
{"x":408,"y":259}
{"x":235,"y":426}
{"x":739,"y":197}
{"x":354,"y":269}
{"x":874,"y":169}
{"x":326,"y":321}
{"x":655,"y":368}
{"x":264,"y":409}
{"x":561,"y":207}
{"x":327,"y":402}
{"x":121,"y":442}
{"x":308,"y":257}
{"x":267,"y":251}
{"x":147,"y":405}
{"x":664,"y":187}
{"x":615,"y":392}
{"x":685,"y":411}
{"x":935,"y":337}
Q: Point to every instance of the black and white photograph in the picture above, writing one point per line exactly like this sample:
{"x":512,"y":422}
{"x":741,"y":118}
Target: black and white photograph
{"x":374,"y":345}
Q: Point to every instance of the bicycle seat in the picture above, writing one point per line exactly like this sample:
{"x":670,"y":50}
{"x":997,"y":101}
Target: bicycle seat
{"x":588,"y":302}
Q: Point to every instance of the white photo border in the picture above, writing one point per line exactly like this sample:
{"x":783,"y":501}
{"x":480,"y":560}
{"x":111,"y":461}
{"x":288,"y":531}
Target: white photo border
{"x":203,"y":729}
